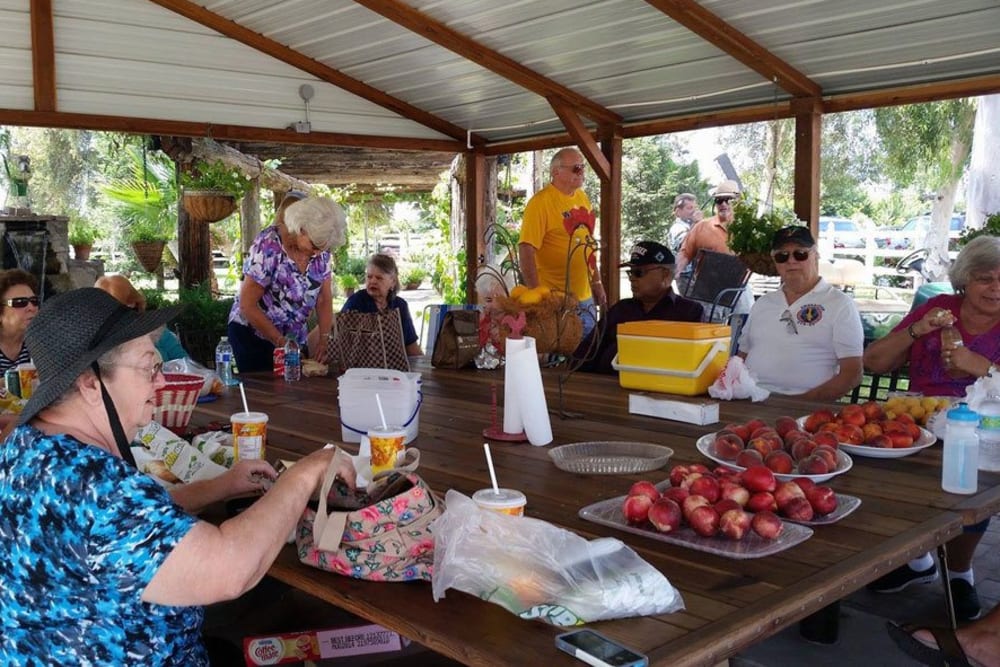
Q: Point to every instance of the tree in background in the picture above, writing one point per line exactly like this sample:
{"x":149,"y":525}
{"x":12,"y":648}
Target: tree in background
{"x":928,"y":145}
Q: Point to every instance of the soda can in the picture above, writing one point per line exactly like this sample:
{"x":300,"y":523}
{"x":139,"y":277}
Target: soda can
{"x":13,"y":380}
{"x":279,"y":361}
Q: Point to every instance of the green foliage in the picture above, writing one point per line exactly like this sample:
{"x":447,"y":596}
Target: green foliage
{"x":81,"y":232}
{"x":752,"y":233}
{"x":216,"y":176}
{"x":353,"y":266}
{"x":202,"y":310}
{"x":991,"y":227}
{"x":348,"y":281}
{"x":414,"y":276}
{"x":155,"y":298}
{"x":652,"y":176}
{"x":448,"y":272}
{"x":919,"y":141}
{"x":146,"y":198}
{"x":63,"y":164}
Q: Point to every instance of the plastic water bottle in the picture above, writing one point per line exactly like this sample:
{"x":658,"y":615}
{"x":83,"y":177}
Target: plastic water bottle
{"x":960,"y":464}
{"x":224,"y":362}
{"x":293,"y":361}
{"x":989,"y":433}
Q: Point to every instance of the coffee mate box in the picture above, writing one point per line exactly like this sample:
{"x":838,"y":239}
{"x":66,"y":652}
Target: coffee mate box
{"x":320,"y":645}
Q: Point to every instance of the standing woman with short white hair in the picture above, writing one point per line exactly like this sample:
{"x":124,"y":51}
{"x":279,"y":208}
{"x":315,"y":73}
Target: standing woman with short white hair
{"x":286,"y":276}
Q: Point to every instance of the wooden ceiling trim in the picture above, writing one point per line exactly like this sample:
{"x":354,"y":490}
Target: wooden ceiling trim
{"x":423,"y":25}
{"x":329,"y":74}
{"x":916,"y":94}
{"x":713,"y":29}
{"x":80,"y":121}
{"x":582,"y":137}
{"x":43,"y":55}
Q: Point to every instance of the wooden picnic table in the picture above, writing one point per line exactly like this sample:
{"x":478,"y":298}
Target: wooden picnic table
{"x":729,"y":604}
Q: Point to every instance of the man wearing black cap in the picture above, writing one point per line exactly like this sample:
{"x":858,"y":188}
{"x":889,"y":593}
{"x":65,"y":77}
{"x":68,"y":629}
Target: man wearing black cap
{"x":804,"y":339}
{"x":650,"y":273}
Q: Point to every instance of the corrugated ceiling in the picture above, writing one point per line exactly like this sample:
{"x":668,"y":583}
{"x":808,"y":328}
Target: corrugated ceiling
{"x":136,"y":59}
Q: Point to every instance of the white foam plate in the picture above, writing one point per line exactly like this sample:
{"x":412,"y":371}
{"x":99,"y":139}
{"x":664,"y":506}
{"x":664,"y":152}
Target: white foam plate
{"x":844,"y":462}
{"x":925,"y":440}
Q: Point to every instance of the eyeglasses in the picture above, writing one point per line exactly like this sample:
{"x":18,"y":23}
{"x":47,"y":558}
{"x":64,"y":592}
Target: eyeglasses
{"x":153,"y":370}
{"x":782,"y":256}
{"x":986,"y":279}
{"x":639,"y":273}
{"x":575,"y":168}
{"x":22,"y":301}
{"x":789,"y":321}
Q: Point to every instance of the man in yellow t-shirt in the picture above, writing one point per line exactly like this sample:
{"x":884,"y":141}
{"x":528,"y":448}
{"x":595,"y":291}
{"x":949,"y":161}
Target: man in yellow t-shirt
{"x":545,"y":243}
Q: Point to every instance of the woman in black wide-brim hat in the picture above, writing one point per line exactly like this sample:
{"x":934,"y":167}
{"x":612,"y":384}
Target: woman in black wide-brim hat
{"x":98,"y":565}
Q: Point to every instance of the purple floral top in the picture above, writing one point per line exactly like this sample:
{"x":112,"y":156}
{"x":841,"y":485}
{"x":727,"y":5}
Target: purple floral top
{"x":927,"y":375}
{"x":289,"y":294}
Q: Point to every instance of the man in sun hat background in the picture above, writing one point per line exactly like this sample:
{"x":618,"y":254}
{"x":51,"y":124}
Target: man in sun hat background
{"x":804,"y":339}
{"x":98,"y":564}
{"x":650,"y":274}
{"x":710,"y":233}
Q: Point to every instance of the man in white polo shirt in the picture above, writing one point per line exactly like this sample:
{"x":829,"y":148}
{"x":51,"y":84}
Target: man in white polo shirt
{"x":804,"y":339}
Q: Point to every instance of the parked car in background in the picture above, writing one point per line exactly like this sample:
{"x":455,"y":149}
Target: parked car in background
{"x":845,"y":233}
{"x":911,"y":234}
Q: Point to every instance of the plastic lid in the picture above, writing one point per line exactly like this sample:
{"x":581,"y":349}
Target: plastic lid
{"x":963,"y":414}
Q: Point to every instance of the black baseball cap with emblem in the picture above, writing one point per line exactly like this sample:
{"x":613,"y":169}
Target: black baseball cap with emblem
{"x":796,"y":234}
{"x":645,"y":253}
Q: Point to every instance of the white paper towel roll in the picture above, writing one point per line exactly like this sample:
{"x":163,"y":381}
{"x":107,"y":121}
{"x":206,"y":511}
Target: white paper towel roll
{"x":525,"y":378}
{"x":512,"y":421}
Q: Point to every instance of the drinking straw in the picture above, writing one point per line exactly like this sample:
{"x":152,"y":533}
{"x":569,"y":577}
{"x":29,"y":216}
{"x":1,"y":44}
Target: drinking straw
{"x":489,"y":464}
{"x":243,"y":395}
{"x":381,"y":414}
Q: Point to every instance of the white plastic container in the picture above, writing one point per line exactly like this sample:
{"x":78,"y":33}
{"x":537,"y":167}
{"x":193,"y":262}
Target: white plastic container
{"x":400,"y":395}
{"x":960,"y":462}
{"x":989,"y":433}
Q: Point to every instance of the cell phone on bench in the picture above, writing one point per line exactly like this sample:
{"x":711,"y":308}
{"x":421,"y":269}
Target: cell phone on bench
{"x":595,"y":649}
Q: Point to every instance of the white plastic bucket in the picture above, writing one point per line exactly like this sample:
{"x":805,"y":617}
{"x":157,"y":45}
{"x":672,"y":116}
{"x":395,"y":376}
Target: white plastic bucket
{"x":400,"y":395}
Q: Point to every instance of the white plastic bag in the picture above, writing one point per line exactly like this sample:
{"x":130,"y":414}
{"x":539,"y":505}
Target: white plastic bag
{"x":736,"y":382}
{"x":539,"y":571}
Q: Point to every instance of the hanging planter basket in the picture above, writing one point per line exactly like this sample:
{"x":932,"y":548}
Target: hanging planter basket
{"x":149,"y":253}
{"x":208,"y":205}
{"x":759,"y":262}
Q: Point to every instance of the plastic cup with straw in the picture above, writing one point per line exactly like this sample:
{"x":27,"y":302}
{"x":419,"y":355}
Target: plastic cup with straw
{"x":249,"y":431}
{"x":503,"y":501}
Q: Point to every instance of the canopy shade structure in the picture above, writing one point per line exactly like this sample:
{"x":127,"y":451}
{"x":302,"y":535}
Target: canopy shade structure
{"x":446,"y":74}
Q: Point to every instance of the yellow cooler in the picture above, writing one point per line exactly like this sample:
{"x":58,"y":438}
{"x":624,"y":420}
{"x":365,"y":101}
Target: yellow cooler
{"x":673,"y":357}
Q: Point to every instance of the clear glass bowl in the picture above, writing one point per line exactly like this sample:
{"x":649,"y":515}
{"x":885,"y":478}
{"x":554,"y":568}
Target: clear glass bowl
{"x":610,"y":458}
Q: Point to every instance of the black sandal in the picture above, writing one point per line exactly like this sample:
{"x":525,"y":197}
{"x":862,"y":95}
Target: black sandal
{"x":948,"y":653}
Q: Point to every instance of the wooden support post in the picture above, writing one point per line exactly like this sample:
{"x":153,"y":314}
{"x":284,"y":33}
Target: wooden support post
{"x":808,"y":113}
{"x":611,"y":210}
{"x":475,"y":209}
{"x":250,"y":216}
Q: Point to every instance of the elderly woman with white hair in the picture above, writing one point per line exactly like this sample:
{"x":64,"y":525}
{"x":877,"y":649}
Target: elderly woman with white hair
{"x":949,"y":342}
{"x":99,"y":565}
{"x":286,"y":276}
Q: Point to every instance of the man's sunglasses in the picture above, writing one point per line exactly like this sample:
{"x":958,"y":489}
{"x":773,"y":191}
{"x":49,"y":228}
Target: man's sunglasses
{"x":639,"y":273}
{"x":782,"y":256}
{"x":22,"y":301}
{"x":575,"y":168}
{"x":723,"y":200}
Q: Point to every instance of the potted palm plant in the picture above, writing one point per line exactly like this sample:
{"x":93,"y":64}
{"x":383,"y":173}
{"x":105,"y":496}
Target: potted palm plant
{"x":82,"y":235}
{"x":349,"y":283}
{"x":211,"y":190}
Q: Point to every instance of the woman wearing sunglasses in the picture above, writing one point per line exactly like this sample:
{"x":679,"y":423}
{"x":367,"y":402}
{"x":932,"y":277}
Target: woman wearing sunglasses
{"x":804,"y":339}
{"x":18,"y":306}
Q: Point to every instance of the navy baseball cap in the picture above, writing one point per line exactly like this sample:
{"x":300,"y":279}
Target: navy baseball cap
{"x":796,"y":234}
{"x":645,"y":253}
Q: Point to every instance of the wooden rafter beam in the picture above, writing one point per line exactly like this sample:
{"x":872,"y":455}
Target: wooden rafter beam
{"x":423,"y":25}
{"x":581,"y":135}
{"x":298,"y":60}
{"x":78,"y":121}
{"x":915,"y":94}
{"x":43,"y":55}
{"x":713,"y":29}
